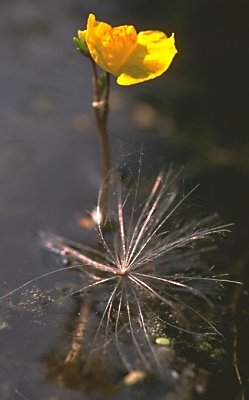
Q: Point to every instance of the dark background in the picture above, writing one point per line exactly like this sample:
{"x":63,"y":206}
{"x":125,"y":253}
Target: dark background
{"x":195,"y":115}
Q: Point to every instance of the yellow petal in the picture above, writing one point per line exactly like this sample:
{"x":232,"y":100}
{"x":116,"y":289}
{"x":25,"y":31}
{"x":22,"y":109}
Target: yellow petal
{"x":82,"y":35}
{"x":132,"y":57}
{"x":151,"y":58}
{"x":110,"y":47}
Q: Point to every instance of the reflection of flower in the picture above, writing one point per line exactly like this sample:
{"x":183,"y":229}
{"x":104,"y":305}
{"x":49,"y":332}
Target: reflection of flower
{"x":132,"y":57}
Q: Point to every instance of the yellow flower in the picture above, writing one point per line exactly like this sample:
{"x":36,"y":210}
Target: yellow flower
{"x":132,"y":57}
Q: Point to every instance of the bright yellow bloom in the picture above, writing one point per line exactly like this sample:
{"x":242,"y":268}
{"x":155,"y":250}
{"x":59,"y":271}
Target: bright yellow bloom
{"x":132,"y":57}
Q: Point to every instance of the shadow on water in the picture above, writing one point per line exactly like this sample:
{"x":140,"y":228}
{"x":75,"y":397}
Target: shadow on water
{"x":195,"y":115}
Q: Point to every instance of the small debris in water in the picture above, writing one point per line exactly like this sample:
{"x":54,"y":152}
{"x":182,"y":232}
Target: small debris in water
{"x":134,"y":377}
{"x":4,"y":325}
{"x":163,"y":341}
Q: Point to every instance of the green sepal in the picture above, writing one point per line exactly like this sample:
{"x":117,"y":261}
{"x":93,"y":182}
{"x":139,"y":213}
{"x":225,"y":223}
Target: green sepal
{"x":81,"y":46}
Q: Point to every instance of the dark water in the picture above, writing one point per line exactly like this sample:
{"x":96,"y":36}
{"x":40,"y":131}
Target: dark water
{"x":195,"y":115}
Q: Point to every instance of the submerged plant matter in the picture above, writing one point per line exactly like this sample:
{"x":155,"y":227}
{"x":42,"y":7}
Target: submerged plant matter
{"x":143,"y":265}
{"x":148,"y":267}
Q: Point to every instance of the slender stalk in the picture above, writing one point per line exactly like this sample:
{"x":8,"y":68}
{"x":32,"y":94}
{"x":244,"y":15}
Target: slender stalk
{"x":101,"y":110}
{"x":79,"y":333}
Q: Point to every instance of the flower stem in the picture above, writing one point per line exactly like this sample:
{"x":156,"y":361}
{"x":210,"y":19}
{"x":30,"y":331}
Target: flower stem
{"x":101,"y":110}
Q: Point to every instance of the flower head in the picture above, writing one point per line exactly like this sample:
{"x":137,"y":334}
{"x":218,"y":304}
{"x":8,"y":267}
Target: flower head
{"x":132,"y":57}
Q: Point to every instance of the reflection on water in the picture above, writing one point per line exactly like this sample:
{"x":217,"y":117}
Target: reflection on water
{"x":197,"y":114}
{"x":153,"y":293}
